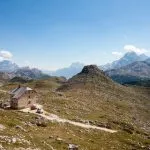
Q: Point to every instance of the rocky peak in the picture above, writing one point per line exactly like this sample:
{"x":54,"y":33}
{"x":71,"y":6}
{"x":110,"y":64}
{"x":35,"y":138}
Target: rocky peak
{"x":130,"y":54}
{"x":91,"y":69}
{"x":90,"y":76}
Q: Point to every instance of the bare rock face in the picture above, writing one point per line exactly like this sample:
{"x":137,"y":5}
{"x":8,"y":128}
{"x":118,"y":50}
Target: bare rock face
{"x":91,"y":69}
{"x":90,"y":73}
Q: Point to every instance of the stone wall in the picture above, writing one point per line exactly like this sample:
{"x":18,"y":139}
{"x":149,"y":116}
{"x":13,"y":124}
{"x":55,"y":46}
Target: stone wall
{"x":28,"y":99}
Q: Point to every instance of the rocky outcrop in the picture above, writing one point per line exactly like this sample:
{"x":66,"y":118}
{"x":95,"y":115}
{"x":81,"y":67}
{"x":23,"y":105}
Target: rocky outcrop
{"x":90,"y":75}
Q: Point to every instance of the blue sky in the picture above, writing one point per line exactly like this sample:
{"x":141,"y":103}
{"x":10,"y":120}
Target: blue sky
{"x":52,"y":34}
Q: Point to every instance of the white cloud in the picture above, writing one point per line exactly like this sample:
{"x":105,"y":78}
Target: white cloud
{"x":5,"y":54}
{"x":133,"y":48}
{"x":118,"y":54}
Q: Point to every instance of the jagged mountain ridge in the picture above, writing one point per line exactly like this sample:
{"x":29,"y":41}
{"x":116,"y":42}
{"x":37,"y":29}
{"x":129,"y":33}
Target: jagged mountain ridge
{"x":9,"y":70}
{"x":31,"y":73}
{"x":127,"y":59}
{"x":126,"y":74}
{"x":8,"y":66}
{"x":134,"y":72}
{"x":75,"y":68}
{"x":141,"y":69}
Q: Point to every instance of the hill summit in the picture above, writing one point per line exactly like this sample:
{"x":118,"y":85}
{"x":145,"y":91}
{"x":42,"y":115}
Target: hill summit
{"x":91,"y":69}
{"x":90,"y":75}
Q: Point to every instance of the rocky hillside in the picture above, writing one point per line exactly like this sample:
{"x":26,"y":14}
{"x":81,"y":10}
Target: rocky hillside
{"x":89,"y":97}
{"x":20,"y":79}
{"x":89,"y":74}
{"x":95,"y":93}
{"x":134,"y":72}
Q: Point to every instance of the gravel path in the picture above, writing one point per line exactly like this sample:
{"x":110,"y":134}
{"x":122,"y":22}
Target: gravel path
{"x":3,"y":91}
{"x":56,"y":118}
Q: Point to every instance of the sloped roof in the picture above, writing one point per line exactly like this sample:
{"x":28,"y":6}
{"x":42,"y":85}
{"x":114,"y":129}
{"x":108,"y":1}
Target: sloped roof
{"x":18,"y":92}
{"x":13,"y":91}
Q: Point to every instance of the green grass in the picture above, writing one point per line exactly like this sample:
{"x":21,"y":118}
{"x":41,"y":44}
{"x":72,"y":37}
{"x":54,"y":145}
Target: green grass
{"x":124,"y":109}
{"x":86,"y":139}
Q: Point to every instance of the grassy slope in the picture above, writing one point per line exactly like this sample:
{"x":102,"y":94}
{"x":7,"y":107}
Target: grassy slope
{"x":125,"y":109}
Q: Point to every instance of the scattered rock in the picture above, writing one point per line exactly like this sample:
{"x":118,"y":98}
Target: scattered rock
{"x":2,"y":148}
{"x":50,"y":137}
{"x":28,"y":124}
{"x":125,"y":126}
{"x":21,"y":128}
{"x":41,"y":122}
{"x":72,"y":147}
{"x":33,"y":107}
{"x":2,"y":127}
{"x":14,"y":140}
{"x":59,"y":139}
{"x":7,"y":139}
{"x":60,"y":94}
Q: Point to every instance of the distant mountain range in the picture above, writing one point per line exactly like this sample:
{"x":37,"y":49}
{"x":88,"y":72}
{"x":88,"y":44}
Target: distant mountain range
{"x":127,"y":59}
{"x":134,"y":72}
{"x":148,"y":60}
{"x":114,"y":67}
{"x":10,"y":70}
{"x":131,"y":68}
{"x":31,"y":73}
{"x":73,"y":69}
{"x":8,"y":66}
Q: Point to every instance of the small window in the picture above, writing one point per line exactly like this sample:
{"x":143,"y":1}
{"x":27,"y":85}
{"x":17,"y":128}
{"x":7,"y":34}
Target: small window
{"x":29,"y":102}
{"x":29,"y":96}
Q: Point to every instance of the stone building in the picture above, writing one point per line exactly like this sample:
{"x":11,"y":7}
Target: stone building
{"x":22,"y":97}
